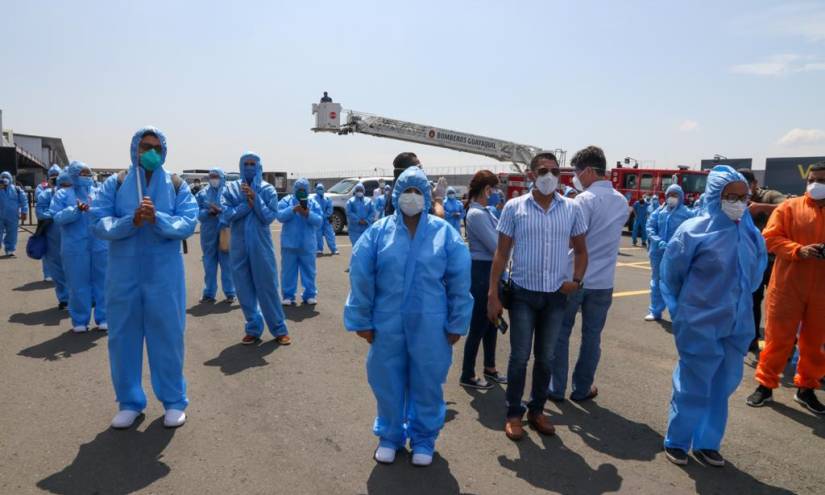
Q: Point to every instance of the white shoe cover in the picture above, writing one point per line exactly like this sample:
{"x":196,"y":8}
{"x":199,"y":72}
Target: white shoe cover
{"x":288,"y":302}
{"x":174,"y":418}
{"x":422,"y":460}
{"x":385,"y":455}
{"x":80,"y":329}
{"x":312,"y":300}
{"x":103,"y":326}
{"x":650,"y":317}
{"x":124,"y":419}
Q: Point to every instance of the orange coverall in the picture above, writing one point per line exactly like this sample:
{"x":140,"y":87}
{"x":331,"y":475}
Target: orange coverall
{"x":796,"y":294}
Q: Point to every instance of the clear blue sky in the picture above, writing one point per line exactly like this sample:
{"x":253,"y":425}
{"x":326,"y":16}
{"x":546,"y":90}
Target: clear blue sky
{"x":667,"y":81}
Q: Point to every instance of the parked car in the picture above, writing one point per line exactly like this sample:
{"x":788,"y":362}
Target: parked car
{"x":342,"y":191}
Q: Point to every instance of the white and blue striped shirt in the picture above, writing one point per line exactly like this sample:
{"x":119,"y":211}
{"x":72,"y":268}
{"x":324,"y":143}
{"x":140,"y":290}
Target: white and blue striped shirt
{"x":541,"y":240}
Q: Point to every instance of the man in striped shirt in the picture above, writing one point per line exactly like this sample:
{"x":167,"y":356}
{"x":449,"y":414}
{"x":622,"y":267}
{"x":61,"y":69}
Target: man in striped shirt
{"x":539,"y":228}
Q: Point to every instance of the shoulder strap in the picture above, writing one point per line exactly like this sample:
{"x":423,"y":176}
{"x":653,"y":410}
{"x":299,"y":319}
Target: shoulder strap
{"x":177,"y":182}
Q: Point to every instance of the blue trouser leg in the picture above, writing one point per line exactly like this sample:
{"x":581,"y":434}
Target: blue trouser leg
{"x":387,"y":373}
{"x":595,"y":305}
{"x":289,"y":273}
{"x":100,"y":261}
{"x":78,"y":268}
{"x":306,"y":264}
{"x":329,"y":233}
{"x":481,"y":330}
{"x":210,"y":266}
{"x":227,"y":282}
{"x":266,"y":286}
{"x":45,"y":267}
{"x":354,"y":236}
{"x":429,"y":357}
{"x":711,"y":430}
{"x":55,"y":264}
{"x":10,"y":241}
{"x":319,"y":239}
{"x":247,"y":296}
{"x":657,"y":303}
{"x":561,"y":357}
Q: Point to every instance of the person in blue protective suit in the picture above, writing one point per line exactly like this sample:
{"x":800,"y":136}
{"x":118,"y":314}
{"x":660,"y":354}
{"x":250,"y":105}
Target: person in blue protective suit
{"x":51,"y":182}
{"x":14,"y":207}
{"x":53,"y":263}
{"x":360,"y":213}
{"x":698,"y":206}
{"x":325,"y":231}
{"x":380,"y":203}
{"x":145,"y":213}
{"x":661,"y":224}
{"x":209,"y":215}
{"x":653,"y":205}
{"x":709,"y":271}
{"x":250,"y":206}
{"x":83,"y":255}
{"x":453,"y":209}
{"x":570,"y":192}
{"x":495,"y":203}
{"x":302,"y":217}
{"x":410,"y":299}
{"x":640,"y":221}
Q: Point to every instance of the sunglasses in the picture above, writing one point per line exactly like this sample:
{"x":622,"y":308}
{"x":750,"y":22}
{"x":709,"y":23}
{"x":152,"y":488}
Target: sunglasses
{"x":543,"y":171}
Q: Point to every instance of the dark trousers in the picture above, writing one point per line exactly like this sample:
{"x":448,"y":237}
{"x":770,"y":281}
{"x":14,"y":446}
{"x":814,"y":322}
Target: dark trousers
{"x":758,"y":296}
{"x":481,"y":330}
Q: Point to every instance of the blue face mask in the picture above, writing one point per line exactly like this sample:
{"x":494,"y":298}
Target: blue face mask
{"x":320,"y":193}
{"x":151,"y":160}
{"x":301,"y":194}
{"x":493,"y":200}
{"x":249,"y":173}
{"x":5,"y":182}
{"x":85,"y":181}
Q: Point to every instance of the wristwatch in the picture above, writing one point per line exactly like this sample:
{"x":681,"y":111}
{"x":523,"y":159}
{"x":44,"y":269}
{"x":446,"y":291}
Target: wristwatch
{"x":579,"y":281}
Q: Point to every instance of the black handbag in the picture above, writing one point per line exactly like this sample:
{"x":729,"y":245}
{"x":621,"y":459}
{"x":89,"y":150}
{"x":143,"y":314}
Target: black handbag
{"x":505,"y":288}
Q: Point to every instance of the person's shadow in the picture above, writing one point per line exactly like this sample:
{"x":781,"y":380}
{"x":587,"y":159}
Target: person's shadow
{"x":240,"y":357}
{"x":300,"y":313}
{"x":817,"y":425}
{"x":50,"y":317}
{"x":666,"y":325}
{"x":489,"y":405}
{"x":33,"y":286}
{"x":218,"y":308}
{"x":555,"y":468}
{"x":403,"y":478}
{"x":65,"y":345}
{"x":115,"y":462}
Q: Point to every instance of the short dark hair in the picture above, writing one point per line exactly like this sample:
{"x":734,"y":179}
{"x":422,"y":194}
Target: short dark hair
{"x":818,"y":167}
{"x":534,"y":163}
{"x":405,"y":160}
{"x":747,"y":174}
{"x":592,"y":157}
{"x":150,"y":134}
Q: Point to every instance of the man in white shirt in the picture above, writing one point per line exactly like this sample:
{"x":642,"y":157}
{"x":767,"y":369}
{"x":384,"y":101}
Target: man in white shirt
{"x":605,"y":212}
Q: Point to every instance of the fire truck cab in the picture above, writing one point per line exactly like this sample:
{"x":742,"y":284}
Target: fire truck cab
{"x":635,"y":183}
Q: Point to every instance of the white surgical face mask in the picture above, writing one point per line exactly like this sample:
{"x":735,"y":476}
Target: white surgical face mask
{"x":411,"y":204}
{"x":359,"y":194}
{"x":547,"y":183}
{"x":734,"y":209}
{"x":451,"y":196}
{"x":215,"y":183}
{"x":673,"y":202}
{"x":577,"y":183}
{"x":816,"y":191}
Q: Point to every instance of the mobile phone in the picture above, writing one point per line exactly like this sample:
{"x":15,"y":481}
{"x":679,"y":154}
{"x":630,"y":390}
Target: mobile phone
{"x":501,"y":325}
{"x":303,"y":203}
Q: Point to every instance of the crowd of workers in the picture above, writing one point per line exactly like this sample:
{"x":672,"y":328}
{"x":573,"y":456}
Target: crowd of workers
{"x":416,"y":286}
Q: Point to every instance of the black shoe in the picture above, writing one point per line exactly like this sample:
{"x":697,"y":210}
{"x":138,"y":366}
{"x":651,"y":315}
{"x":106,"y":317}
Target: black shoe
{"x":62,"y":306}
{"x":754,"y":347}
{"x":676,"y":456}
{"x":760,"y":396}
{"x":495,"y":377}
{"x":478,"y":383}
{"x":807,"y":398}
{"x":207,"y":300}
{"x":709,"y":457}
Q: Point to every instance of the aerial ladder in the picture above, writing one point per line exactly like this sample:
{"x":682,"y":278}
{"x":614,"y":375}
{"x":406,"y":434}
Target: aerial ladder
{"x":329,"y":115}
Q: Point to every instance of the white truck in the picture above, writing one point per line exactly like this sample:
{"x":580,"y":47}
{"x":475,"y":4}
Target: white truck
{"x":341,"y":192}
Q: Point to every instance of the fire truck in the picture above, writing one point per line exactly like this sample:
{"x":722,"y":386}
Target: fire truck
{"x":635,"y":183}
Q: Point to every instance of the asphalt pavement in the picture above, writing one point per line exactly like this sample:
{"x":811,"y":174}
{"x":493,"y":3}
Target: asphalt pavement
{"x":297,"y":419}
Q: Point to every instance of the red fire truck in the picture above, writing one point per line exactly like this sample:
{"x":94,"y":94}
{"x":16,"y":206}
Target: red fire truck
{"x":637,"y":182}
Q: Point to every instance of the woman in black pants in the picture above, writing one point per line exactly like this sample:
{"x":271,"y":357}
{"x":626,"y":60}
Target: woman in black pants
{"x":480,"y":226}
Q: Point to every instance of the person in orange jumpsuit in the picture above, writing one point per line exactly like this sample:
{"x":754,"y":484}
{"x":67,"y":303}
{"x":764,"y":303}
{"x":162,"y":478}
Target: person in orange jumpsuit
{"x":795,"y":234}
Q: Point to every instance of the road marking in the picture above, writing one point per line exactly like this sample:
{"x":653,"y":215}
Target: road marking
{"x":644,"y":265}
{"x":631,"y":293}
{"x":630,"y":248}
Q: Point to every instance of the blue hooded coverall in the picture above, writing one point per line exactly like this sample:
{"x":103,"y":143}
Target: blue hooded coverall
{"x":298,"y":243}
{"x":325,"y":231}
{"x":84,"y":256}
{"x":453,"y":210}
{"x":254,"y":268}
{"x":639,"y":221}
{"x":13,"y":203}
{"x":709,"y":272}
{"x":661,"y":224}
{"x":359,"y":209}
{"x":411,"y":292}
{"x":54,"y":173}
{"x":52,"y":261}
{"x":146,"y":287}
{"x":379,"y":204}
{"x":211,"y":225}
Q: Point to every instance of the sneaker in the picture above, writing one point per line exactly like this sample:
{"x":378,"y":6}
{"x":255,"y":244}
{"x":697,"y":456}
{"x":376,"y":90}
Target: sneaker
{"x":249,"y":340}
{"x":174,"y":418}
{"x":207,"y":300}
{"x":283,"y":340}
{"x":709,"y":457}
{"x":479,"y":383}
{"x":63,"y":305}
{"x":495,"y":376}
{"x":422,"y":460}
{"x":807,"y":397}
{"x":288,"y":302}
{"x":230,"y":300}
{"x":760,"y":396}
{"x":634,"y":244}
{"x":124,"y":419}
{"x":652,"y":317}
{"x":103,"y":327}
{"x":80,"y":329}
{"x":384,"y":455}
{"x":311,"y":301}
{"x":676,"y":456}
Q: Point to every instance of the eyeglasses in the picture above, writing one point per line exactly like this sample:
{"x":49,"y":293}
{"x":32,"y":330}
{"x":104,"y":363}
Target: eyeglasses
{"x":146,"y":147}
{"x":819,"y":180}
{"x":543,"y":171}
{"x":733,"y":198}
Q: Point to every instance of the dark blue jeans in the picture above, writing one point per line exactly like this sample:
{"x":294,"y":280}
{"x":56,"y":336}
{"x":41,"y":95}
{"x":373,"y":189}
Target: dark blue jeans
{"x":594,"y":304}
{"x":481,"y":330}
{"x":532,"y":313}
